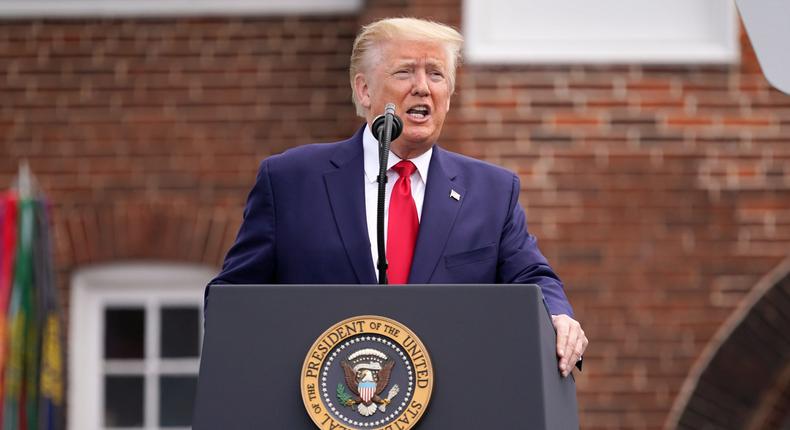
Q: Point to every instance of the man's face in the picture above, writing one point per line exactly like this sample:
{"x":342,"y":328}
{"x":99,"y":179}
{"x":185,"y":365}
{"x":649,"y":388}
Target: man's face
{"x":413,"y":75}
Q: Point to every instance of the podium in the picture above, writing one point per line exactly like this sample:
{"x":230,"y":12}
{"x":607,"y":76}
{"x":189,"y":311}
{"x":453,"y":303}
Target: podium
{"x":492,"y":348}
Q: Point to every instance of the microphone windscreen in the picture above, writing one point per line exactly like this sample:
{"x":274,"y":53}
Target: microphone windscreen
{"x":397,"y":123}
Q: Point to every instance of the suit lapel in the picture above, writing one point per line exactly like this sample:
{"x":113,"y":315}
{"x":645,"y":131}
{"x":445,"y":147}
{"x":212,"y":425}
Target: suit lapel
{"x":438,"y":216}
{"x":345,"y":187}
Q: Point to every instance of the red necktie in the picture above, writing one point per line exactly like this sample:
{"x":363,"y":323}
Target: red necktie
{"x":402,"y":226}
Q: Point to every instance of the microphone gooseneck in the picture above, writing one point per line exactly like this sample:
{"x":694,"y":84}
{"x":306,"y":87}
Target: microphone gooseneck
{"x":385,"y":128}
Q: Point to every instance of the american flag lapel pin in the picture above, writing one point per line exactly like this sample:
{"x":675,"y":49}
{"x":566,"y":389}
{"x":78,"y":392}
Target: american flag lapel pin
{"x":454,"y":194}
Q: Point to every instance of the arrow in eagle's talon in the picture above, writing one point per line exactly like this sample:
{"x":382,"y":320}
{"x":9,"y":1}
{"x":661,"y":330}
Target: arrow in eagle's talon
{"x":392,"y":393}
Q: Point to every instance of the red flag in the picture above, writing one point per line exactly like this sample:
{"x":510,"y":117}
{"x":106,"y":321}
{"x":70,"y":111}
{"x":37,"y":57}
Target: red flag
{"x":8,"y":232}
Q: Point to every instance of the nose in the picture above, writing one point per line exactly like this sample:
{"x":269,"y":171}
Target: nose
{"x":420,"y":84}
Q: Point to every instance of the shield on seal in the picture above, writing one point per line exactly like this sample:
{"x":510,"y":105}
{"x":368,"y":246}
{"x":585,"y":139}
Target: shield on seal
{"x":366,"y":390}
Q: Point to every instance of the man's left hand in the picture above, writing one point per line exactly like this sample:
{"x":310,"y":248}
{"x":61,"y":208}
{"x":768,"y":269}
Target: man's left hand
{"x":571,"y":342}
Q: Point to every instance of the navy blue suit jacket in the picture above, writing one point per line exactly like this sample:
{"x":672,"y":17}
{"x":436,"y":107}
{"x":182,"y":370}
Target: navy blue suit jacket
{"x":304,"y":223}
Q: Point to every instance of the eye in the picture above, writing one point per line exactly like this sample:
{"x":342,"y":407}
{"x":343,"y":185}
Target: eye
{"x":401,"y":73}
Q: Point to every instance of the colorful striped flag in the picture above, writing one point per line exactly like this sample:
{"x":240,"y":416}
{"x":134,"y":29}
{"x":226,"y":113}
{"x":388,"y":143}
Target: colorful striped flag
{"x":31,"y":333}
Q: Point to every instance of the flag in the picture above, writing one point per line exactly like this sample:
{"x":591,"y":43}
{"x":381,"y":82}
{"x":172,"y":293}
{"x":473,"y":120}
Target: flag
{"x":14,"y":416}
{"x":31,"y":329}
{"x":8,"y":219}
{"x":50,"y":399}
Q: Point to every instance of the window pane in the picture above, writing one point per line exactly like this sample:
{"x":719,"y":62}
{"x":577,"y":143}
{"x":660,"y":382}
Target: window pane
{"x":123,"y":401}
{"x":176,"y":400}
{"x":124,"y":333}
{"x":180,"y":332}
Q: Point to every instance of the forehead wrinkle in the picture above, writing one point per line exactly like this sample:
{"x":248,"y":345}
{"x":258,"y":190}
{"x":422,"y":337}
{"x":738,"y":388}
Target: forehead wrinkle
{"x":430,"y":61}
{"x":405,"y":62}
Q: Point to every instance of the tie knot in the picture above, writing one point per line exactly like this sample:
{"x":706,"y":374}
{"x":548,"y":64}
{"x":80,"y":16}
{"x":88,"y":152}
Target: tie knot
{"x":404,"y":168}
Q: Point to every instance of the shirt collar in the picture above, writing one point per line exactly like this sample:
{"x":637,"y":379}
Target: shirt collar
{"x":370,"y":147}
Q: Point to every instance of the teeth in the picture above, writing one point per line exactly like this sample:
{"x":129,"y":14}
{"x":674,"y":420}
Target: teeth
{"x":420,"y":111}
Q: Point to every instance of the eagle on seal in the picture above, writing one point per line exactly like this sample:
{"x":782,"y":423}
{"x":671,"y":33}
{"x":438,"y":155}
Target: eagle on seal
{"x":367,"y":382}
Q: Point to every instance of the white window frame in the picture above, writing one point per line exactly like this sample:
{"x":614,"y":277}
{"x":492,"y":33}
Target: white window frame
{"x":157,"y":8}
{"x":490,"y":42}
{"x":149,"y":286}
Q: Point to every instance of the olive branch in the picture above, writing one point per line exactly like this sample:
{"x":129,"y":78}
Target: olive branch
{"x":343,"y":397}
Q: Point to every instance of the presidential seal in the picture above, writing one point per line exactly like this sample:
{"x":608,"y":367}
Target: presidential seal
{"x":367,"y":372}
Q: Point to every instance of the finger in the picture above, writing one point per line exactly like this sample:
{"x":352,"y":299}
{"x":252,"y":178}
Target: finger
{"x":578,"y":350}
{"x":562,"y":335}
{"x":584,"y":342}
{"x":567,"y":359}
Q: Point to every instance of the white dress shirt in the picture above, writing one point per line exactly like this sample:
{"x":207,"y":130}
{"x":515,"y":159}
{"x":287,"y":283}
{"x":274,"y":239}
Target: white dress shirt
{"x":418,"y":179}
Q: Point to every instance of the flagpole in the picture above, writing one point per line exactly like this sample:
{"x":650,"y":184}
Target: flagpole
{"x":24,"y":180}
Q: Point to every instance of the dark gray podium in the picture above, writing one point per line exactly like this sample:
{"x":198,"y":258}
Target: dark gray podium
{"x":492,"y":348}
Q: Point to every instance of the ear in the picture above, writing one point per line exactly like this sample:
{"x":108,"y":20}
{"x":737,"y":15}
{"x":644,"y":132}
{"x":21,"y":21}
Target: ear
{"x":362,"y":89}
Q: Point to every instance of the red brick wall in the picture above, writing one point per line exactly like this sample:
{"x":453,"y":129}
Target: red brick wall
{"x":660,"y":194}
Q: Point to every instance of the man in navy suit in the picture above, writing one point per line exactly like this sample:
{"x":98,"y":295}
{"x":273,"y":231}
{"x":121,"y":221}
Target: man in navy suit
{"x":310,"y":218}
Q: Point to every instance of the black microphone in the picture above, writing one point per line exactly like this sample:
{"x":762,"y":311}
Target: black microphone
{"x":380,"y":124}
{"x":385,"y":128}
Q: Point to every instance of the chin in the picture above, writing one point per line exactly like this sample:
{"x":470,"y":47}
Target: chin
{"x":417,"y":141}
{"x":418,"y":136}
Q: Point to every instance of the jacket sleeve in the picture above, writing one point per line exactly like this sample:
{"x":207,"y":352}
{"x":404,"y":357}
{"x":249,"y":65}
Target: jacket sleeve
{"x":521,"y":262}
{"x":251,"y":259}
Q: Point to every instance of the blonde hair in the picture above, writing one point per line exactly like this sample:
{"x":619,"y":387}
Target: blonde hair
{"x":406,"y":29}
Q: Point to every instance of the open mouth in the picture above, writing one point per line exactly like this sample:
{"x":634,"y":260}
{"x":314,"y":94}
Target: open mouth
{"x":419,"y":112}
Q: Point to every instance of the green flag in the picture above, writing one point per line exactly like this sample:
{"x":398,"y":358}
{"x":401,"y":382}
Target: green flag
{"x":17,"y":319}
